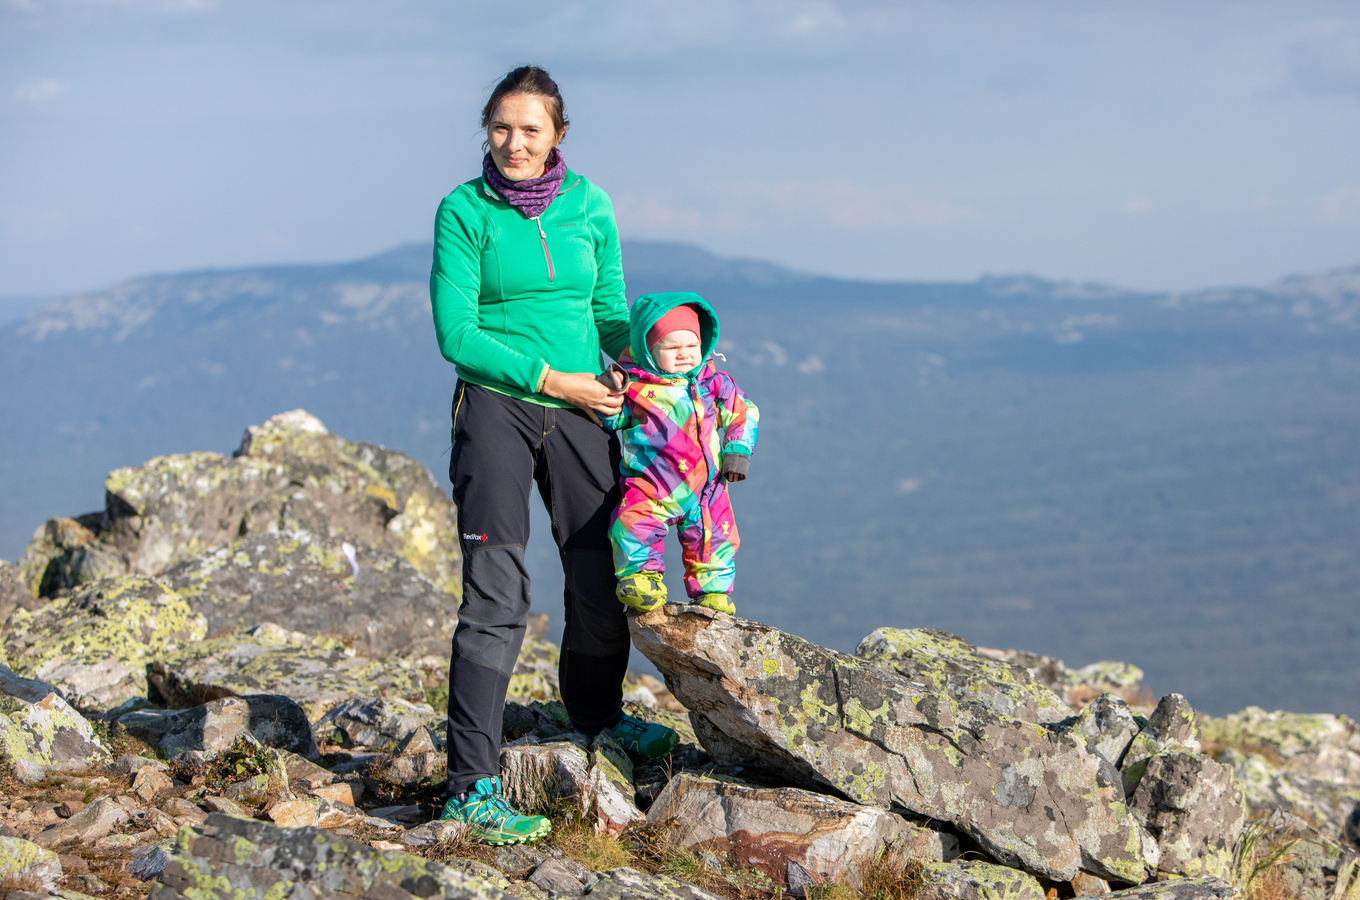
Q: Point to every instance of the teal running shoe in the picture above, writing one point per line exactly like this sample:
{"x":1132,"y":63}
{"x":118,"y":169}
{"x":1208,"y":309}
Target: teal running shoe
{"x":490,"y":819}
{"x":648,"y":740}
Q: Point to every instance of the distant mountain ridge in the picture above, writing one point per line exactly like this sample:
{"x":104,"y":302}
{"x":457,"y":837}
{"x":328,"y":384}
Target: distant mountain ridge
{"x":1163,"y":478}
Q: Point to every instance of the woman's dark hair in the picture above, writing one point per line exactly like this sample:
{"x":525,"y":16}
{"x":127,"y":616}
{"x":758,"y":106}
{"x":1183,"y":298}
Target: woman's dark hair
{"x":529,"y":80}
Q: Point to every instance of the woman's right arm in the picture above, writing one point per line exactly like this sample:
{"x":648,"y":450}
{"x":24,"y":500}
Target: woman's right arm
{"x":455,"y":286}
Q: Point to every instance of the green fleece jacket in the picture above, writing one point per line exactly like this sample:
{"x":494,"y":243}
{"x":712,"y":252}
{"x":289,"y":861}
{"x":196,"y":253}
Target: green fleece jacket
{"x":512,"y":296}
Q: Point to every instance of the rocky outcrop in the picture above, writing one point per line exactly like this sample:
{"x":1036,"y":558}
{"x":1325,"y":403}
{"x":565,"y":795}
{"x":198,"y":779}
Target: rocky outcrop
{"x":1030,"y":796}
{"x":95,"y":644}
{"x":941,"y":663}
{"x":316,"y":672}
{"x":374,"y":723}
{"x":289,"y":474}
{"x":1317,"y":746}
{"x":795,"y":837}
{"x":210,"y":729}
{"x":373,"y":600}
{"x":1078,"y":687}
{"x":228,"y":858}
{"x":976,"y":880}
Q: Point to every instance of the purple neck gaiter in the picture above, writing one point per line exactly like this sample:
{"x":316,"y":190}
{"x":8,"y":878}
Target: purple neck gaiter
{"x":533,"y":195}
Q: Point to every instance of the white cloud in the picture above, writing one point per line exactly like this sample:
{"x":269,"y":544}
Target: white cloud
{"x":40,"y":92}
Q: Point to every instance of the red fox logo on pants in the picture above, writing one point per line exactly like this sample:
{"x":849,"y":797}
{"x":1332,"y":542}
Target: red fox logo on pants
{"x":479,"y":538}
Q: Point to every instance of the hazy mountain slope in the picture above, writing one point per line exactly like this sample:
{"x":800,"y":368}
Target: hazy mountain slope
{"x":1067,"y":469}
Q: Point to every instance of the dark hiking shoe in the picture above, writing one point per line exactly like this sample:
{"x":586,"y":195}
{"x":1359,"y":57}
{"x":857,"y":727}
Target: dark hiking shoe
{"x":648,"y":740}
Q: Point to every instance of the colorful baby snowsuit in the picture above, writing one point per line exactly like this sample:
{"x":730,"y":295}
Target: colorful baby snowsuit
{"x":678,"y":433}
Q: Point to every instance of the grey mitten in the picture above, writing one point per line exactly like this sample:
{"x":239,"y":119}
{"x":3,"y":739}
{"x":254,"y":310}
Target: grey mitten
{"x":735,"y":466}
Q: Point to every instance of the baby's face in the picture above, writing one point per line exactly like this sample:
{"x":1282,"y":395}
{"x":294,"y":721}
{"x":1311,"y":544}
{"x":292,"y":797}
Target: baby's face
{"x":677,"y":351}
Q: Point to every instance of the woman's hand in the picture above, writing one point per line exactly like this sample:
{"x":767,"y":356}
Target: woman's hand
{"x":581,"y":389}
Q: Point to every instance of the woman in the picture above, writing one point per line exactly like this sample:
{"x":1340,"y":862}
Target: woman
{"x":527,"y":288}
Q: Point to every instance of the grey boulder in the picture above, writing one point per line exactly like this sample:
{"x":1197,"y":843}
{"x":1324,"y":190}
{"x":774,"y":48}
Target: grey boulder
{"x":42,"y":734}
{"x":1033,"y":797}
{"x":229,"y":858}
{"x":795,"y":837}
{"x":271,"y":719}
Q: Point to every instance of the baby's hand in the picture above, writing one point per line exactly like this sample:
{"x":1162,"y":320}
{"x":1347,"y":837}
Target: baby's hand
{"x":734,"y":476}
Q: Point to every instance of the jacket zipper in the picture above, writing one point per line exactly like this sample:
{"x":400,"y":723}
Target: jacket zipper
{"x":546,"y":255}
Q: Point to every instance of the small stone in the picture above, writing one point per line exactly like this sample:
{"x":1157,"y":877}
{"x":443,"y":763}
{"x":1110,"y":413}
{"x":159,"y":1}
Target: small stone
{"x":551,"y":877}
{"x":87,"y":826}
{"x":320,"y":813}
{"x":223,"y":805}
{"x":419,"y":741}
{"x":73,"y":865}
{"x":181,"y":808}
{"x":69,"y":808}
{"x":348,"y":792}
{"x":1088,"y":885}
{"x":432,"y":833}
{"x":130,"y":764}
{"x":150,"y":783}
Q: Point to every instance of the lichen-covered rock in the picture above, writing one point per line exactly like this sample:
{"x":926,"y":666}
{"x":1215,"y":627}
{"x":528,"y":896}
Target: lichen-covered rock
{"x":14,"y":595}
{"x":630,"y":884}
{"x":1177,"y":889}
{"x":230,"y":858}
{"x":306,"y":583}
{"x":1318,"y":746}
{"x":315,"y":672}
{"x":22,"y":861}
{"x":1175,"y":723}
{"x":1193,"y":806}
{"x":596,"y":774}
{"x":943,"y":663}
{"x":65,"y":554}
{"x":795,"y":837}
{"x":1031,"y":796}
{"x":289,"y":474}
{"x":95,"y":644}
{"x":974,"y":880}
{"x":271,"y":719}
{"x":1326,"y":804}
{"x":45,"y":735}
{"x":535,"y":673}
{"x":374,"y":723}
{"x":1078,"y":687}
{"x":1108,"y":726}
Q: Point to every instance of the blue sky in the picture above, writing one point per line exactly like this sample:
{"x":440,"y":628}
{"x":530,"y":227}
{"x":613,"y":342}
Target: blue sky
{"x":1149,"y":144}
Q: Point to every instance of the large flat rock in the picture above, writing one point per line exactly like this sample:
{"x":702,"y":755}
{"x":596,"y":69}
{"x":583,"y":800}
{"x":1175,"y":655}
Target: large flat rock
{"x":1032,"y":796}
{"x":95,"y":644}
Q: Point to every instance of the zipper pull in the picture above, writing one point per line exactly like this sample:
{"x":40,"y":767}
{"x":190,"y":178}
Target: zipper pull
{"x":546,"y":255}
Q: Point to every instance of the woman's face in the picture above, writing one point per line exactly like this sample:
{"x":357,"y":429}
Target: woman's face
{"x":521,"y":133}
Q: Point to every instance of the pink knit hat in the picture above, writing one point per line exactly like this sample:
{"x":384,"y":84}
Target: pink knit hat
{"x":680,"y":318}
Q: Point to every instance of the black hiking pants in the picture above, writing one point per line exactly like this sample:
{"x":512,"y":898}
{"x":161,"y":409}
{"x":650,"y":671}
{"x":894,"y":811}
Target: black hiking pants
{"x":501,"y":447}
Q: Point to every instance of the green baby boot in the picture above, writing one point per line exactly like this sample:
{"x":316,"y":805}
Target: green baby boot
{"x":643,"y":591}
{"x":719,"y":602}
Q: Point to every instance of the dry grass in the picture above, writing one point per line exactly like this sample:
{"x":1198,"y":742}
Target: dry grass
{"x":11,"y":883}
{"x":892,"y":875}
{"x":1257,"y":859}
{"x":119,"y":742}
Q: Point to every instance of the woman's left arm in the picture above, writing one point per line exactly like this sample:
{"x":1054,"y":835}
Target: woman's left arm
{"x":608,"y":304}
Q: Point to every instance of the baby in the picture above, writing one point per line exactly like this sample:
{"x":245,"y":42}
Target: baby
{"x":685,"y":430}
